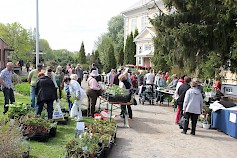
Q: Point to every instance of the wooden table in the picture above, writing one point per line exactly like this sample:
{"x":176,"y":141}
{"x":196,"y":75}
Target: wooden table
{"x":114,"y":106}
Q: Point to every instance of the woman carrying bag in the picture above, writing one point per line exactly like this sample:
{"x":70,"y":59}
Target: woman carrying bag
{"x":77,"y":94}
{"x":192,"y":106}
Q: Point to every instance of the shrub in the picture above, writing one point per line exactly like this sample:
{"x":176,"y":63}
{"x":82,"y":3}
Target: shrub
{"x":23,"y":88}
{"x":12,"y":143}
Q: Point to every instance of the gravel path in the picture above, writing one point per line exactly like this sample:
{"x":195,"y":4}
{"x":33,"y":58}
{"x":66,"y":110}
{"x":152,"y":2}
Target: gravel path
{"x":153,"y":134}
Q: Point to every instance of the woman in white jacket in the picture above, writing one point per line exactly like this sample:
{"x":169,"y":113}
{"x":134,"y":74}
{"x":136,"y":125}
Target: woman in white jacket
{"x":192,"y":106}
{"x":77,"y":94}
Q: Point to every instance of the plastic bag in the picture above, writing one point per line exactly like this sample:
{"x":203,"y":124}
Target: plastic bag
{"x":74,"y":111}
{"x":57,"y":113}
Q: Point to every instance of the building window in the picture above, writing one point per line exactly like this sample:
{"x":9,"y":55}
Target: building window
{"x":228,"y":90}
{"x":134,"y":24}
{"x":148,"y":47}
{"x":143,"y":24}
{"x":140,"y":49}
{"x":139,"y":60}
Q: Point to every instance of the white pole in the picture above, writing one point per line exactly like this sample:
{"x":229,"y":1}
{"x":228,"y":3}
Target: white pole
{"x":37,"y":34}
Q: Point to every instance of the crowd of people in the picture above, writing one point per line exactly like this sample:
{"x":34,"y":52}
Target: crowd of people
{"x":47,"y":86}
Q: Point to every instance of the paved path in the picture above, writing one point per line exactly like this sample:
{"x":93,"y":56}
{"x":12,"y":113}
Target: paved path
{"x":153,"y":134}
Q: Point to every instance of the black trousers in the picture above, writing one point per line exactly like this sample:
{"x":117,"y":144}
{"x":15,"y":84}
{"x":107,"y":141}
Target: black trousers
{"x":194,"y":118}
{"x":49,"y":108}
{"x":8,"y":96}
{"x":92,"y":98}
{"x":124,"y":112}
{"x":79,"y":81}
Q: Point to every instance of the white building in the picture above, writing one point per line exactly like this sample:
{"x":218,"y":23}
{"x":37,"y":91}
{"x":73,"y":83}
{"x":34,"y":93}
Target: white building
{"x":137,"y":16}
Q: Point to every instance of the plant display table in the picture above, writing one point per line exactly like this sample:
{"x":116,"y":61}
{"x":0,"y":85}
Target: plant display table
{"x":114,"y":106}
{"x":166,"y":93}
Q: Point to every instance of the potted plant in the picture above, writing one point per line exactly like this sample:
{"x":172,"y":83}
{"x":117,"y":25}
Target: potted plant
{"x":205,"y":123}
{"x":199,"y":122}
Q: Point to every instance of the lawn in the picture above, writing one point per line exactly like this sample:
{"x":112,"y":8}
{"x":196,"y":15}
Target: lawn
{"x":55,"y":146}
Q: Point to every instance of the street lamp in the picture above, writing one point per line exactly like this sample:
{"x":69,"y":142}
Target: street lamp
{"x":37,"y":34}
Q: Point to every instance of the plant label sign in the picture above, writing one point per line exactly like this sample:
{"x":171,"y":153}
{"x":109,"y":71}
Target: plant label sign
{"x":232,"y":117}
{"x":80,"y":126}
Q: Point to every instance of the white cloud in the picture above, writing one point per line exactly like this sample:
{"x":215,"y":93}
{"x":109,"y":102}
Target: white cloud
{"x":65,"y":23}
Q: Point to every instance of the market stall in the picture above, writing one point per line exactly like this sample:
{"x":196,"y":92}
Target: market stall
{"x":114,"y":97}
{"x":166,"y":93}
{"x":224,"y":119}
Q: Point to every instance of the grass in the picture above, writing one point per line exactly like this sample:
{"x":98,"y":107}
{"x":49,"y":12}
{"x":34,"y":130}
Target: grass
{"x":23,"y":88}
{"x":54,"y":148}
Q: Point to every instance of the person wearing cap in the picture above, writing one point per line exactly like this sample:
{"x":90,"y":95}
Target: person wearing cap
{"x":79,"y":73}
{"x":174,"y":82}
{"x":192,"y":107}
{"x":77,"y":94}
{"x":92,"y":92}
{"x":46,"y":93}
{"x":7,"y":85}
{"x":32,"y":79}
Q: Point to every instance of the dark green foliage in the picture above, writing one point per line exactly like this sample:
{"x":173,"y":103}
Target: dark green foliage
{"x":110,"y":59}
{"x":82,"y":54}
{"x":198,"y":37}
{"x":120,"y":57}
{"x":130,"y":50}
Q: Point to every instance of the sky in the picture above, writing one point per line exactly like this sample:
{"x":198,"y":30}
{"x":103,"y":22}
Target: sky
{"x":65,"y":23}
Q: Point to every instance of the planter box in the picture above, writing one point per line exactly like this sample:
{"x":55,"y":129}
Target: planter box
{"x":40,"y":137}
{"x":123,"y":99}
{"x":52,"y":132}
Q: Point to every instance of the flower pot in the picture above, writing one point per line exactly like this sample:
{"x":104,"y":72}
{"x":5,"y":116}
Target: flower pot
{"x":206,"y":126}
{"x":199,"y":124}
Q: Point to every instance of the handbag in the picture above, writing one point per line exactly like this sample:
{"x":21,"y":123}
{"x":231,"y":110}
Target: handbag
{"x":182,"y":121}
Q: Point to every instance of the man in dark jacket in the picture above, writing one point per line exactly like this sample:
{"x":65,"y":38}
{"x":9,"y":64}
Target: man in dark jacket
{"x":181,"y":92}
{"x":46,"y":93}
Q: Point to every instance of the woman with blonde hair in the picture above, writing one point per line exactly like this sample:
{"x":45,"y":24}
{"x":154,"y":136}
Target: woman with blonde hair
{"x":123,"y":83}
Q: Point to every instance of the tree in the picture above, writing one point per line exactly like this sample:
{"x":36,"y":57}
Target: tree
{"x":197,"y":32}
{"x":116,"y":32}
{"x":110,"y":58}
{"x":135,"y":33}
{"x":17,"y":38}
{"x":120,"y":57}
{"x":103,"y":48}
{"x":82,"y":54}
{"x":130,"y":50}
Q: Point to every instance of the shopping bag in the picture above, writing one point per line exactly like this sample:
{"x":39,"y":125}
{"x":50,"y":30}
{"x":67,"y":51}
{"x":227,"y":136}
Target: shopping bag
{"x":182,"y":121}
{"x":57,"y":113}
{"x":74,"y":111}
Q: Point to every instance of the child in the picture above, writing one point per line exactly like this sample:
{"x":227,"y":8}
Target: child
{"x":67,"y":91}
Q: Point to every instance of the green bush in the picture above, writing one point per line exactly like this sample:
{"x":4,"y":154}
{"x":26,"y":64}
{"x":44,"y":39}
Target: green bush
{"x":23,"y":88}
